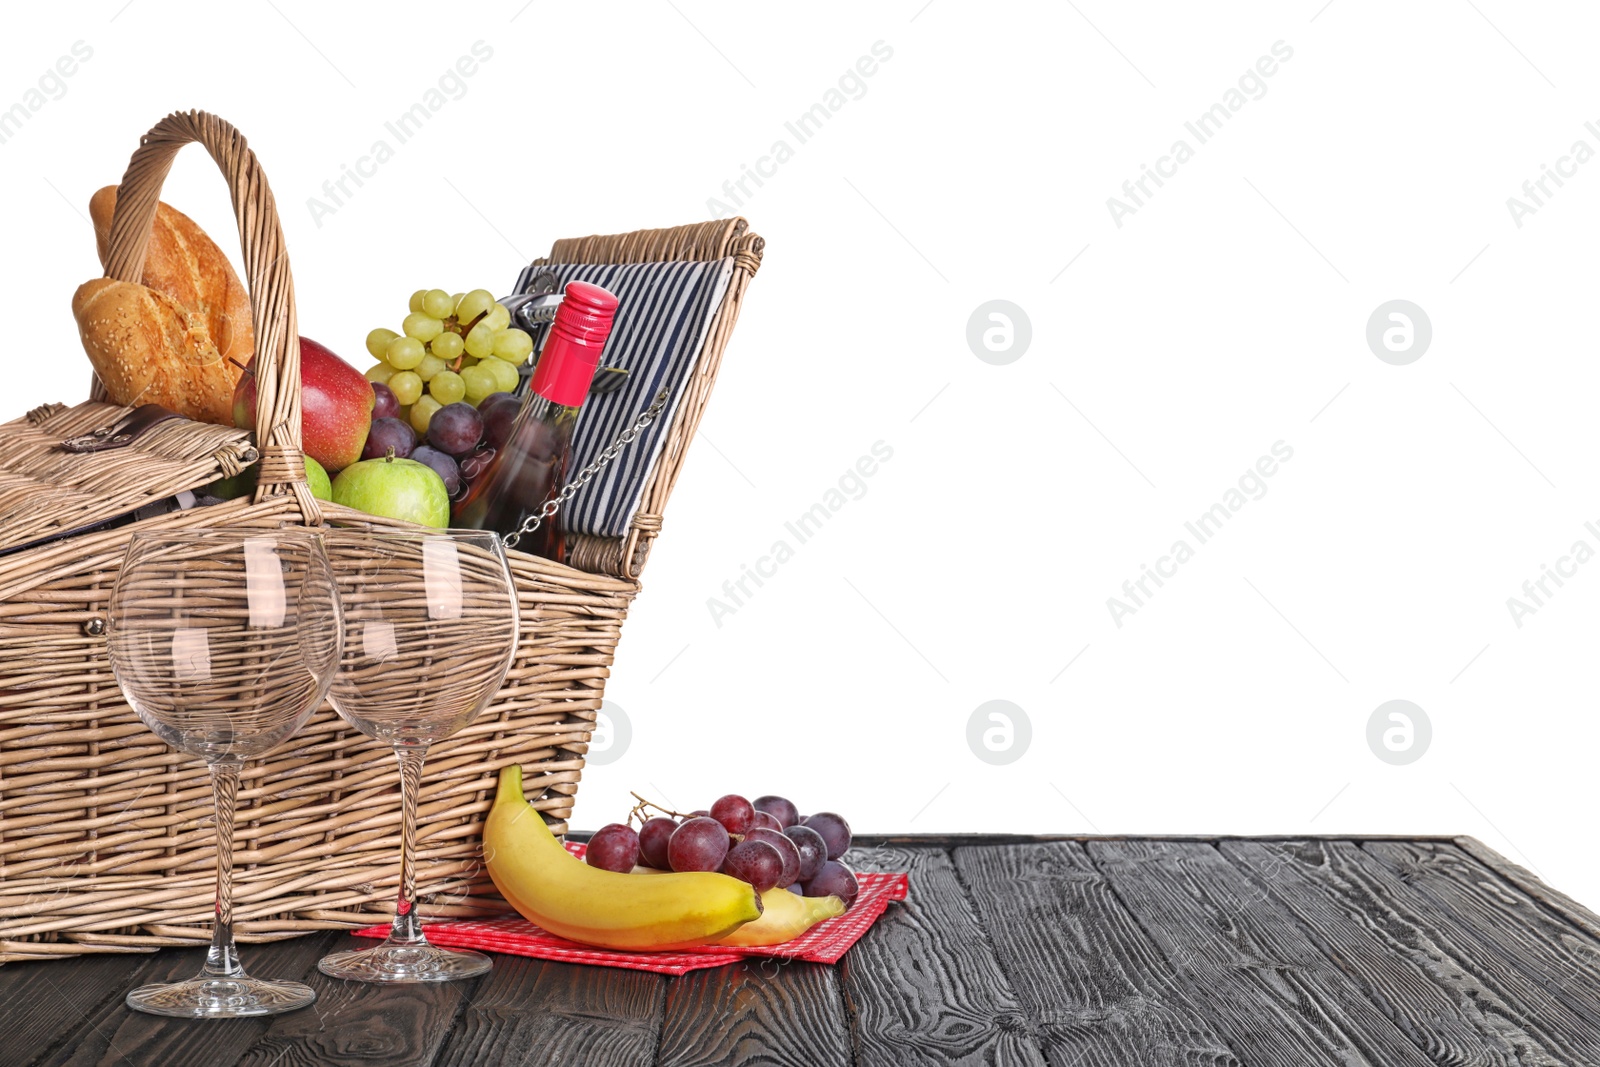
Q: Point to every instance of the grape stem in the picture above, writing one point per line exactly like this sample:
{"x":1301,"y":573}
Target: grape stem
{"x":638,"y":812}
{"x":450,"y":323}
{"x":455,"y":326}
{"x":639,"y":809}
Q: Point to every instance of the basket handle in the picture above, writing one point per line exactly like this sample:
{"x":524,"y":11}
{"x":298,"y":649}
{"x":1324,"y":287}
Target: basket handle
{"x":266,"y":260}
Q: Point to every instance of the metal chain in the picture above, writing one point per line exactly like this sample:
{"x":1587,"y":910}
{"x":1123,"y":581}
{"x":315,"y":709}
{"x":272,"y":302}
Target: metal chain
{"x":586,"y":475}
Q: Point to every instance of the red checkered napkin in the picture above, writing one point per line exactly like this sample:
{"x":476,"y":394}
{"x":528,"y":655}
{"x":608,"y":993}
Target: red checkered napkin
{"x":826,"y":942}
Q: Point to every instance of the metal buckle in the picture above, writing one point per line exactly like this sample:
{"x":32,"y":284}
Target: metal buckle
{"x":121,"y":433}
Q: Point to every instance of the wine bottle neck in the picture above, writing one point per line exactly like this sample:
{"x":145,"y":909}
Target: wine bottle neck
{"x":543,"y":409}
{"x":565,"y":370}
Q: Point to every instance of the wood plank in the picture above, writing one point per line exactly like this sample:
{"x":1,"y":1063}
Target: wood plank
{"x":115,"y":1036}
{"x":356,"y":1023}
{"x":1099,"y":991}
{"x":1511,"y":924}
{"x":955,"y":841}
{"x":1458,"y":943}
{"x":923,"y":986}
{"x":1276,"y":998}
{"x":537,"y":1012}
{"x":43,"y":1003}
{"x":1396,"y":955}
{"x":1533,"y":885}
{"x":761,"y":1011}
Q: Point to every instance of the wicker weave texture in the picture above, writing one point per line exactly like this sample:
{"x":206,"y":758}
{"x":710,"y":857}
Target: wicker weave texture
{"x":45,"y":492}
{"x":106,"y":842}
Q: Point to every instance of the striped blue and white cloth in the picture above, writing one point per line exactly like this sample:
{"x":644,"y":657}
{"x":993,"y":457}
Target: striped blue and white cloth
{"x":664,"y":314}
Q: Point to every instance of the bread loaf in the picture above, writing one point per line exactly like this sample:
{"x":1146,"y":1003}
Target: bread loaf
{"x":149,"y":349}
{"x":179,"y":339}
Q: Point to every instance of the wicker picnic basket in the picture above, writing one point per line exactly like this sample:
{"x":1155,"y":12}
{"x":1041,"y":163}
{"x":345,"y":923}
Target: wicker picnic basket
{"x":106,"y":843}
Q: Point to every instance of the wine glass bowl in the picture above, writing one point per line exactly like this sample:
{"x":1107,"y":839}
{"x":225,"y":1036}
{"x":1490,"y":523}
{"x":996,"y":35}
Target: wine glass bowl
{"x":430,"y":627}
{"x":430,"y":622}
{"x":224,"y":642}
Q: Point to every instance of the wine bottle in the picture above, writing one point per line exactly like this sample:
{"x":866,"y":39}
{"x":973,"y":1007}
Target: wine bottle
{"x":532,"y":464}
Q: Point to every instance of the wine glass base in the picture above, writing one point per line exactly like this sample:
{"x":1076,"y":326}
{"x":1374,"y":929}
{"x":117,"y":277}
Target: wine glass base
{"x":220,"y":998}
{"x":390,"y":962}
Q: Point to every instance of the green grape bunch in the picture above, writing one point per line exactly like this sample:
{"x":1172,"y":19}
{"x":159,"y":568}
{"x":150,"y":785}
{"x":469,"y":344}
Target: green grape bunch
{"x":450,"y":348}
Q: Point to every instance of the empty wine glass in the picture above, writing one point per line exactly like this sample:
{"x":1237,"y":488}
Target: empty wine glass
{"x":430,"y":630}
{"x":223,"y":642}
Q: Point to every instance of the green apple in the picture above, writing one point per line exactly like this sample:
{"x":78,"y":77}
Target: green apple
{"x":317,"y":478}
{"x":244,"y":483}
{"x":395,"y":489}
{"x":241,"y":484}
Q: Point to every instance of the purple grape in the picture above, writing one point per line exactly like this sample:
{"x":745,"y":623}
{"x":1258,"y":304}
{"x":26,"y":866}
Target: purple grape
{"x":764,"y":820}
{"x":700,"y":844}
{"x":834,"y":880}
{"x":614,"y":847}
{"x":755,"y":862}
{"x":812,"y":848}
{"x":474,"y":465}
{"x":834,"y":830}
{"x":786,"y":851}
{"x":444,"y":465}
{"x":386,"y":405}
{"x":496,"y":398}
{"x":499,"y":411}
{"x":699,"y":813}
{"x":497,"y":423}
{"x":653,"y":838}
{"x":734,"y":812}
{"x":389,"y":433}
{"x":456,"y":428}
{"x":779,"y":808}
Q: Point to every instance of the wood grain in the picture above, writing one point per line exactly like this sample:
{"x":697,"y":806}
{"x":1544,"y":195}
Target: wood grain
{"x":1275,"y":996}
{"x":1110,"y":953}
{"x":45,"y":1001}
{"x":1099,"y":991}
{"x":760,"y":1012}
{"x":354,"y":1023}
{"x":536,"y":1012}
{"x":1455,"y":944}
{"x":116,"y":1036}
{"x":1394,"y":955}
{"x":1505,"y":920}
{"x":1531,"y":884}
{"x":924,"y":986}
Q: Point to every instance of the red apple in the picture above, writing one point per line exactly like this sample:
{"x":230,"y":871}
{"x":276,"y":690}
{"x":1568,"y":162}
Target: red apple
{"x":335,"y":406}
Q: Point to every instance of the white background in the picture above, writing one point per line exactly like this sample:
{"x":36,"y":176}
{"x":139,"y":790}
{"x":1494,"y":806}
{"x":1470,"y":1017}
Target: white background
{"x":1227,"y":314}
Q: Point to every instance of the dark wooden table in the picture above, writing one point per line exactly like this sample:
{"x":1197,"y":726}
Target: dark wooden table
{"x":1074,"y":952}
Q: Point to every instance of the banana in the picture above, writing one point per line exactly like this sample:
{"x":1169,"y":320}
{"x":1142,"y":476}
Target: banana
{"x":784,"y":916}
{"x":569,"y":898}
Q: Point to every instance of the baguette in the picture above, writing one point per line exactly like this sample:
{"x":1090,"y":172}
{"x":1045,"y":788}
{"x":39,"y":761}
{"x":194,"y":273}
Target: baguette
{"x":181,"y":338}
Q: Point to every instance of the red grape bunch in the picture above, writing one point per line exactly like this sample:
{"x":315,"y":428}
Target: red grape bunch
{"x":766,"y":843}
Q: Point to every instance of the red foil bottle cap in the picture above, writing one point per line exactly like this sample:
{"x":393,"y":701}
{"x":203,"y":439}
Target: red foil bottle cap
{"x":585,"y":314}
{"x":577,"y":336}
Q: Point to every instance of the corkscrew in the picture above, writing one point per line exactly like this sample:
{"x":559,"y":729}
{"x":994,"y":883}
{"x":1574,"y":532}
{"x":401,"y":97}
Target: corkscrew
{"x":535,"y":307}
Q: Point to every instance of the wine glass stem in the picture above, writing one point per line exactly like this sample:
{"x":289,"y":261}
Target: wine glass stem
{"x":222,"y":960}
{"x":407,"y":928}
